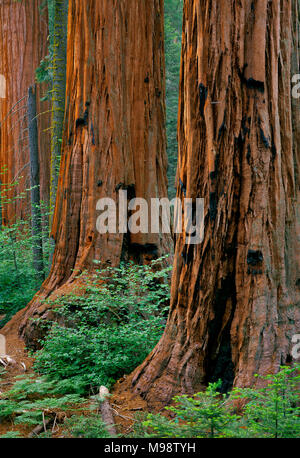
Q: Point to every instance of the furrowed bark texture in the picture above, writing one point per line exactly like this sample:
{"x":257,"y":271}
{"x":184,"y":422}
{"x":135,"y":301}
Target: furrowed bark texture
{"x":23,"y":44}
{"x":235,"y":297}
{"x":114,"y":137}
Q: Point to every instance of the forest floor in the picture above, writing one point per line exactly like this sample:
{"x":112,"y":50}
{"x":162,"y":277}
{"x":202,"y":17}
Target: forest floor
{"x":125,"y":404}
{"x":15,"y":348}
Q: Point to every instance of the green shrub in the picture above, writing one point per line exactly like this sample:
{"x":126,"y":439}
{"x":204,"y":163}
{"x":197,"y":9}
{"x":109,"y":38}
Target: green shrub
{"x":108,"y":330}
{"x":205,"y":414}
{"x":272,"y":411}
{"x":11,"y":435}
{"x":31,"y":400}
{"x":88,"y":427}
{"x":18,"y":279}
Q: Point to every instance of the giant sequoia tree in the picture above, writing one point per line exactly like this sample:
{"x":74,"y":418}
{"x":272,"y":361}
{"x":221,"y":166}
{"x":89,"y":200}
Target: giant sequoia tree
{"x":114,"y":137}
{"x":23,"y":43}
{"x":235,"y":297}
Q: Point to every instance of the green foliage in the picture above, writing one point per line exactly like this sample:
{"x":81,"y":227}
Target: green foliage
{"x":31,"y":400}
{"x":11,"y":435}
{"x":270,"y":411}
{"x":108,"y":328}
{"x":273,"y":410}
{"x":44,"y":73}
{"x":18,"y":279}
{"x":2,"y":372}
{"x":205,"y":414}
{"x":88,"y":427}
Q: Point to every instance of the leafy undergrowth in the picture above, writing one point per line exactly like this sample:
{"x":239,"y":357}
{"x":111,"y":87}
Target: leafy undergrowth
{"x":108,"y":329}
{"x":269,"y":412}
{"x":101,"y":333}
{"x":18,"y":278}
{"x":272,"y":411}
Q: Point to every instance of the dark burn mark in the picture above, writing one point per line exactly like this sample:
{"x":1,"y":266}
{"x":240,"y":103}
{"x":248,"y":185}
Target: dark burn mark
{"x":288,"y":359}
{"x":212,"y":205}
{"x":146,"y":80}
{"x":248,"y":157}
{"x":218,"y":361}
{"x":183,"y":255}
{"x":130,"y":191}
{"x":221,"y":130}
{"x":187,"y":254}
{"x":99,"y":183}
{"x":80,"y":122}
{"x":182,"y":187}
{"x":157,"y":92}
{"x":263,"y":138}
{"x":86,"y":116}
{"x":246,"y":130}
{"x":217,"y":162}
{"x":223,"y":126}
{"x":93,"y":134}
{"x":254,"y":271}
{"x":239,"y":142}
{"x":251,"y":83}
{"x":274,"y":152}
{"x":142,"y":252}
{"x":147,"y":248}
{"x":203,"y":96}
{"x":119,"y":186}
{"x":254,"y":257}
{"x":130,"y":188}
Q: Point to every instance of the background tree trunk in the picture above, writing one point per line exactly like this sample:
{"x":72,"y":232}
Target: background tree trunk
{"x":36,"y":221}
{"x":59,"y":63}
{"x":114,"y":137}
{"x":23,"y":43}
{"x":235,"y":297}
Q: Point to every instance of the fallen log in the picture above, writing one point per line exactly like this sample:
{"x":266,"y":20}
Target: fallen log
{"x":106,"y":411}
{"x":40,"y":428}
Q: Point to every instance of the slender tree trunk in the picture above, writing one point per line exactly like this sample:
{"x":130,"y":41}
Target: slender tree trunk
{"x":59,"y":64}
{"x":23,"y":44}
{"x":235,"y":297}
{"x":114,"y":138}
{"x":36,"y":221}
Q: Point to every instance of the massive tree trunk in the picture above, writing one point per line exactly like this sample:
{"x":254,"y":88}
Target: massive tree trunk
{"x":114,"y":137}
{"x":235,"y":297}
{"x":23,"y":43}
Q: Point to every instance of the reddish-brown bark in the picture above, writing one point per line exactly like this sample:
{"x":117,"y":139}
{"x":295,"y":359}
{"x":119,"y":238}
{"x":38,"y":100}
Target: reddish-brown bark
{"x":235,"y":297}
{"x":114,"y":136}
{"x":23,"y":44}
